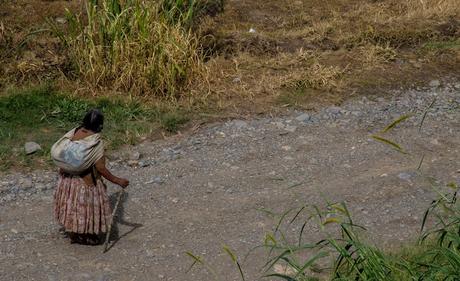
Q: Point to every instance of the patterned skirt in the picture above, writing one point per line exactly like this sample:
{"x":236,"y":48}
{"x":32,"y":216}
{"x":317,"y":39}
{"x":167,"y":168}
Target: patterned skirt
{"x":81,"y":208}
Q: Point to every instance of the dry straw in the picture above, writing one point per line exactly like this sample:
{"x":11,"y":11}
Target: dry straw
{"x":134,"y":46}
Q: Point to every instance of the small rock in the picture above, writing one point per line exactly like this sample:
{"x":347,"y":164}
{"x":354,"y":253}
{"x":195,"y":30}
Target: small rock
{"x":291,"y":129}
{"x":405,"y":176}
{"x":286,"y":148}
{"x":133,"y":163}
{"x":175,"y":200}
{"x":172,"y":151}
{"x":156,"y":180}
{"x":435,"y":83}
{"x":334,"y":110}
{"x":356,"y":113}
{"x":14,"y":190}
{"x":61,"y":20}
{"x":252,"y":30}
{"x":31,"y":147}
{"x":303,"y":117}
{"x":240,"y":124}
{"x":135,"y":155}
{"x":145,"y":163}
{"x":196,"y":142}
{"x":278,"y":125}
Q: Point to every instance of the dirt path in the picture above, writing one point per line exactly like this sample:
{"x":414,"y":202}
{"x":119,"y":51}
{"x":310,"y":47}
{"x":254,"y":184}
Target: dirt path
{"x":199,"y":191}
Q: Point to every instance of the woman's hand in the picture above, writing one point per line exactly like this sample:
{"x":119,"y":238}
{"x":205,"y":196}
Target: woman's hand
{"x":100,"y":166}
{"x":123,"y":182}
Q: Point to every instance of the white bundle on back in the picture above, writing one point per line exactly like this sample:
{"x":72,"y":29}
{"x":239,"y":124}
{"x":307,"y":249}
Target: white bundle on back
{"x":76,"y":157}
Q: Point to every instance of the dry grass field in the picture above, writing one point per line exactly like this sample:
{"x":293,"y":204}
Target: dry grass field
{"x":307,"y":51}
{"x":297,"y":52}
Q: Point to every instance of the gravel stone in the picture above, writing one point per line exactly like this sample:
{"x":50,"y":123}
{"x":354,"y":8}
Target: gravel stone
{"x":135,"y":155}
{"x":31,"y":147}
{"x":405,"y":176}
{"x":303,"y":117}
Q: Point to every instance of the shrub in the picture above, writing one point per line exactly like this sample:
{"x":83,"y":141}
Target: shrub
{"x":134,"y":46}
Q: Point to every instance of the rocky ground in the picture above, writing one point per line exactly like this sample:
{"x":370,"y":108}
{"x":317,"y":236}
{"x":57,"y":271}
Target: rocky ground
{"x":198,"y":191}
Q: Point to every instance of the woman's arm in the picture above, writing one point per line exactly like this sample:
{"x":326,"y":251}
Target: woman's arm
{"x":102,"y":169}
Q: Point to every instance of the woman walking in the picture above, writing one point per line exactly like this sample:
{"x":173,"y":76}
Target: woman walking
{"x":81,"y":204}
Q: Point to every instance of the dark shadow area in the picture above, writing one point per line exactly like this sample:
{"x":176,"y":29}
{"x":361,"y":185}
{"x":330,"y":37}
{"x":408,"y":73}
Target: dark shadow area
{"x":119,"y":219}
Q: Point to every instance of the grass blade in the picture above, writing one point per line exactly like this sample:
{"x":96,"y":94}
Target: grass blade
{"x":425,"y":113}
{"x":389,"y":142}
{"x":282,"y":276}
{"x":396,"y":122}
{"x":235,"y":260}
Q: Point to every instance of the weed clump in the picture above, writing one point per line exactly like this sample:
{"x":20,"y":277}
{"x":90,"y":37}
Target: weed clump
{"x":173,"y":120}
{"x":142,"y":47}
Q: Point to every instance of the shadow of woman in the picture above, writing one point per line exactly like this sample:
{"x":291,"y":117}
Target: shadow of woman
{"x":119,"y":219}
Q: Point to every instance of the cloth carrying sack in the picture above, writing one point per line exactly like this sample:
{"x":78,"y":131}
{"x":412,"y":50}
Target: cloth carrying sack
{"x":76,"y":157}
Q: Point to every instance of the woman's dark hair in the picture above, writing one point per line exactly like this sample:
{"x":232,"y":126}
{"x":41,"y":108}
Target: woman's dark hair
{"x":93,"y":120}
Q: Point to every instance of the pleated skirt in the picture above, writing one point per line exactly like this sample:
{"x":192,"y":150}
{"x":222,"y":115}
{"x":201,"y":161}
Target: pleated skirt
{"x":81,"y":208}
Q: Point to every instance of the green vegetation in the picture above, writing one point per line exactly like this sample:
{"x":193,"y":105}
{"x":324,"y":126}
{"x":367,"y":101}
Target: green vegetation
{"x":186,"y":12}
{"x":171,"y":121}
{"x":42,"y":114}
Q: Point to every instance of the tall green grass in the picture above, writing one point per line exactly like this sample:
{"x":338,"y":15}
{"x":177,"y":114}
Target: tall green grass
{"x":346,"y":255}
{"x":342,"y":254}
{"x":140,"y":47}
{"x":186,"y":12}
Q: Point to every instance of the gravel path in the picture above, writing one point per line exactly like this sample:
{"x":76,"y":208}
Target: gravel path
{"x":198,"y":191}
